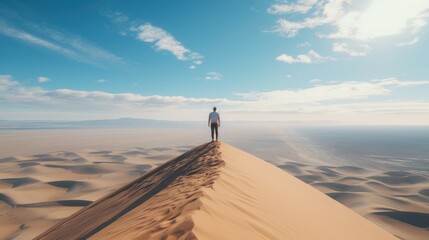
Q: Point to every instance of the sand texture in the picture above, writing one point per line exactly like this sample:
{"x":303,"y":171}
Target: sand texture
{"x":216,"y":191}
{"x":37,"y":191}
{"x":397,"y":201}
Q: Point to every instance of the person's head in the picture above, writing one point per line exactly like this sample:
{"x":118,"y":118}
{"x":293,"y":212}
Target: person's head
{"x":214,"y":109}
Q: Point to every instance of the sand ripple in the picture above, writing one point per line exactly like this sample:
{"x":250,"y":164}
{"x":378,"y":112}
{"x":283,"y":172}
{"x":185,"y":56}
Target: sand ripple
{"x":63,"y":182}
{"x":395,"y":200}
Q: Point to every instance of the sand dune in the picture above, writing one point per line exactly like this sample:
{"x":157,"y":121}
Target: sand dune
{"x":68,"y":203}
{"x":39,"y":190}
{"x":216,"y":191}
{"x":7,"y":200}
{"x":398,"y":201}
{"x":17,"y":182}
{"x":71,"y":186}
{"x":165,"y":213}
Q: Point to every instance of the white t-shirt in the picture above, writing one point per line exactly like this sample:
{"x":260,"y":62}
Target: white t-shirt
{"x":214,"y":117}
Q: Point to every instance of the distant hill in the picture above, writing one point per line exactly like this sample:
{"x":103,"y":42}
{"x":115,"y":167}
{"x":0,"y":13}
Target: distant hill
{"x":144,"y":123}
{"x":103,"y":123}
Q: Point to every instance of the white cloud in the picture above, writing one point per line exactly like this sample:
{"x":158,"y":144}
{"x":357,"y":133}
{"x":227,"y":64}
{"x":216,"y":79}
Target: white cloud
{"x":161,"y":39}
{"x":379,"y":18}
{"x":195,"y":64}
{"x":327,"y":13}
{"x":322,"y":93}
{"x":302,"y":6}
{"x":101,"y":80}
{"x":399,"y":83}
{"x":382,"y":18}
{"x":42,"y":79}
{"x":291,"y":29}
{"x":117,"y":17}
{"x":408,"y":43}
{"x":311,"y":57}
{"x":14,"y":92}
{"x":357,"y":51}
{"x":165,"y":41}
{"x":6,"y":82}
{"x":213,"y":76}
{"x":303,"y":44}
{"x":315,"y":81}
{"x":367,"y":101}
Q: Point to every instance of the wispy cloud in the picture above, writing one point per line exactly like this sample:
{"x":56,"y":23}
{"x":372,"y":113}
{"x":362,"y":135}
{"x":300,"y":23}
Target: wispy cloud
{"x":302,"y":6}
{"x":69,"y":45}
{"x":311,"y":57}
{"x":120,"y":22}
{"x":42,"y":79}
{"x":164,"y":41}
{"x":213,"y":76}
{"x":315,"y":81}
{"x":356,"y":51}
{"x":303,"y":44}
{"x":408,"y":43}
{"x":29,"y":38}
{"x":101,"y":80}
{"x":393,"y":82}
{"x":116,"y":17}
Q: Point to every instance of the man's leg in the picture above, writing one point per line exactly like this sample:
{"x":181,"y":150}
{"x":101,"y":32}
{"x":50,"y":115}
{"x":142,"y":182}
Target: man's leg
{"x":212,"y":128}
{"x":216,"y":128}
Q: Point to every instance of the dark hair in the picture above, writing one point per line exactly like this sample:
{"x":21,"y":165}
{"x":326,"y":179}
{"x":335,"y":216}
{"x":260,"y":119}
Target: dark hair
{"x":214,"y":108}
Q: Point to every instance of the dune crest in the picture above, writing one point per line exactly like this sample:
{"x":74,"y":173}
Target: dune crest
{"x":216,"y":191}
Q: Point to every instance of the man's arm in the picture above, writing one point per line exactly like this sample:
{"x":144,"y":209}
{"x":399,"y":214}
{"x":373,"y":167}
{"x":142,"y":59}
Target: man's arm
{"x":218,"y":118}
{"x":208,"y":123}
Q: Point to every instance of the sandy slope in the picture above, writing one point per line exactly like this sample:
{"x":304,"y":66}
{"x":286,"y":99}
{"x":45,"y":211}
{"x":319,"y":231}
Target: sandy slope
{"x":38,"y":191}
{"x":216,"y":191}
{"x":398,"y":201}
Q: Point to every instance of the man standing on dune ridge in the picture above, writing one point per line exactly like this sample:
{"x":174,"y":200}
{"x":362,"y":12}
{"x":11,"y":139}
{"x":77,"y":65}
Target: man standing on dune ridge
{"x":214,"y":123}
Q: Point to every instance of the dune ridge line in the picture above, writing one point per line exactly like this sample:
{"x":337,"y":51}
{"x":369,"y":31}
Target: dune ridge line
{"x":163,"y":213}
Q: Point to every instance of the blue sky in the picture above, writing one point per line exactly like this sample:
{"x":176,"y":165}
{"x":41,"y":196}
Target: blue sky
{"x":357,"y":62}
